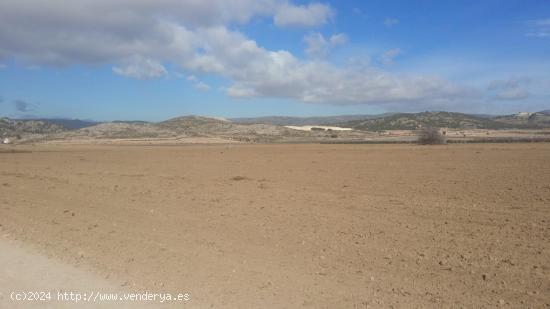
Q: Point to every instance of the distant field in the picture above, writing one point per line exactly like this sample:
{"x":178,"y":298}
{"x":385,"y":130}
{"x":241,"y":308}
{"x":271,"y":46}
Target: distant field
{"x":314,"y":226}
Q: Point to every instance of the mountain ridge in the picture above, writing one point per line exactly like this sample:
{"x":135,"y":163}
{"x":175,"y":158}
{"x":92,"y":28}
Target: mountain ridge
{"x":302,"y":121}
{"x":248,"y":130}
{"x":454,"y":120}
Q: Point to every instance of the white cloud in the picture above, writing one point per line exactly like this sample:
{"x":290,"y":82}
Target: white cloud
{"x":539,"y":28}
{"x":509,"y":89}
{"x":142,"y":37}
{"x":319,"y":47}
{"x":3,"y":66}
{"x":542,"y":22}
{"x":338,"y":39}
{"x":141,"y":69}
{"x":202,"y":87}
{"x":388,"y":57}
{"x":390,"y":22}
{"x":312,"y":15}
{"x":539,"y":34}
{"x":513,"y":94}
{"x":257,"y":72}
{"x":199,"y":85}
{"x":241,"y":92}
{"x":57,"y":32}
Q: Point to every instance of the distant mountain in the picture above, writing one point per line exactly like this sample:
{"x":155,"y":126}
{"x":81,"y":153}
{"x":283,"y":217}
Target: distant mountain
{"x":248,"y":130}
{"x":13,"y":128}
{"x":413,"y":121}
{"x":303,"y":121}
{"x":527,"y":120}
{"x":204,"y":126}
{"x":130,"y":121}
{"x":70,"y":124}
{"x":120,"y":130}
{"x":195,"y":125}
{"x":181,"y":127}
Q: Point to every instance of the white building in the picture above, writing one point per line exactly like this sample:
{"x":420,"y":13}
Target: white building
{"x":323,"y":128}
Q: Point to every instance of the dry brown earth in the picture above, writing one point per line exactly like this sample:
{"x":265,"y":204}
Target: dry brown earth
{"x":287,"y":226}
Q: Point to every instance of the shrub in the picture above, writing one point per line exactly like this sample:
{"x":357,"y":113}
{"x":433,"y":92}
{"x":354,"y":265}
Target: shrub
{"x":431,"y":136}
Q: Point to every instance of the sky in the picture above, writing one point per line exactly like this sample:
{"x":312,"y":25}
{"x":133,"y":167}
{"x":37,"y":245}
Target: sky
{"x":154,"y":60}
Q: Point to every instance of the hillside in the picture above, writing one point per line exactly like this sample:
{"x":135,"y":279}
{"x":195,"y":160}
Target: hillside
{"x":530,"y":120}
{"x":13,"y":128}
{"x":121,"y":130}
{"x":180,"y":127}
{"x":24,"y":131}
{"x":69,"y":124}
{"x":303,"y":121}
{"x":410,"y":121}
{"x":211,"y":127}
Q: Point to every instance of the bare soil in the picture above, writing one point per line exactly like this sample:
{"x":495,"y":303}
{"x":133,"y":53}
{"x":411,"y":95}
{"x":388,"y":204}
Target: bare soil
{"x":286,"y":226}
{"x":23,"y":270}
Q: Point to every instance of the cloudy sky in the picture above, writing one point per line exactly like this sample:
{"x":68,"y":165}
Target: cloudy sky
{"x":152,"y":60}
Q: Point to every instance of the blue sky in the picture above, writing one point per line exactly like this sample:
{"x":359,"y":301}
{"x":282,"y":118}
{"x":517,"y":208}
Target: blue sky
{"x":151,"y":60}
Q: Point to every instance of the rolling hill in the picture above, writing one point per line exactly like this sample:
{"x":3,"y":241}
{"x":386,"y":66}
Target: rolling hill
{"x":413,"y":121}
{"x":303,"y":121}
{"x":212,"y":127}
{"x":12,"y":127}
{"x":69,"y":124}
{"x":27,"y":130}
{"x":176,"y":128}
{"x":530,"y":120}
